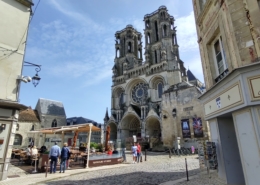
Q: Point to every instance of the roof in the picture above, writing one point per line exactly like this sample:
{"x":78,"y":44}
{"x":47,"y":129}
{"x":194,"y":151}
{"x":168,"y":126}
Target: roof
{"x":12,"y":105}
{"x":191,"y":76}
{"x":81,"y":120}
{"x":50,"y":107}
{"x":29,"y":115}
{"x":80,"y":128}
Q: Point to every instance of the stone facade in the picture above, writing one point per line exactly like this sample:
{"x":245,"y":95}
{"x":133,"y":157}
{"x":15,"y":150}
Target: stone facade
{"x":229,"y":40}
{"x":138,"y":85}
{"x":15,"y":16}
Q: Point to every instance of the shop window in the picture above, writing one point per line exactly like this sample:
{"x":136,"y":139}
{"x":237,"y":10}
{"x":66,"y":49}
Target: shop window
{"x":18,"y":139}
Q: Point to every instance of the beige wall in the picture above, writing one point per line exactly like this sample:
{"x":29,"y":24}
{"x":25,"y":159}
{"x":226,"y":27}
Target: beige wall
{"x":181,"y":100}
{"x":14,"y":22}
{"x":239,"y":32}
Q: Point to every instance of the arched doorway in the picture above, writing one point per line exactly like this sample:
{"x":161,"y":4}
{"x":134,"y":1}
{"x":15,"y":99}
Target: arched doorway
{"x":152,"y":128}
{"x":130,"y":125}
{"x":113,"y":132}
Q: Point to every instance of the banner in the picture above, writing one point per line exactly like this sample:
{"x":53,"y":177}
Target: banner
{"x":197,"y":127}
{"x":185,"y":128}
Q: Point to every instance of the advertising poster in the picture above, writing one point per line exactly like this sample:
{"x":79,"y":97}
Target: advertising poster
{"x":197,"y":127}
{"x":185,"y":128}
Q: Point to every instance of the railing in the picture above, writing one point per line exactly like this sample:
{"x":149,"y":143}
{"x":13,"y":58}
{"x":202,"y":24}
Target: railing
{"x":221,"y":76}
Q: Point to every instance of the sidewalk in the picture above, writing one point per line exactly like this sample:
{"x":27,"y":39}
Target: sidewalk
{"x":29,"y":179}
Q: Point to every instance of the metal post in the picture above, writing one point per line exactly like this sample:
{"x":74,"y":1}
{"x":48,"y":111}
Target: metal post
{"x":46,"y":166}
{"x":187,"y":174}
{"x":145,"y":154}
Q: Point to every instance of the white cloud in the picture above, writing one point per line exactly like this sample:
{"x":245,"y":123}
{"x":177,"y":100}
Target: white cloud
{"x":80,"y":18}
{"x":186,"y":32}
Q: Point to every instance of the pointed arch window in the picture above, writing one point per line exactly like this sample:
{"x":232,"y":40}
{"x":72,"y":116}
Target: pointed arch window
{"x":164,"y":30}
{"x":155,"y":57}
{"x":160,"y":89}
{"x":121,"y":99}
{"x":148,"y":38}
{"x":129,"y":47}
{"x":54,"y":123}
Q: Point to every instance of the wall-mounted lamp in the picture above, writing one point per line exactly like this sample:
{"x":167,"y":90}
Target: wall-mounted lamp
{"x":36,"y":79}
{"x":2,"y":127}
{"x":174,"y":112}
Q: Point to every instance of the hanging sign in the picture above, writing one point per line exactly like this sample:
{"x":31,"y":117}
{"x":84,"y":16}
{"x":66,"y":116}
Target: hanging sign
{"x":185,"y":128}
{"x":197,"y":127}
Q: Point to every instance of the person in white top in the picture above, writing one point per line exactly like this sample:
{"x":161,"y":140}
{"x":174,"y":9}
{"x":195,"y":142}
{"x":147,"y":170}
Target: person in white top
{"x":34,"y":151}
{"x":134,"y":152}
{"x":28,"y":150}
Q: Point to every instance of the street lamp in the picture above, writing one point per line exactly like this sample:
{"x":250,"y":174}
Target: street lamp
{"x":36,"y":79}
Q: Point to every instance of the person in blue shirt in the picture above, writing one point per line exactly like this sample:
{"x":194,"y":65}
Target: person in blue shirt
{"x":65,"y":154}
{"x":54,"y":155}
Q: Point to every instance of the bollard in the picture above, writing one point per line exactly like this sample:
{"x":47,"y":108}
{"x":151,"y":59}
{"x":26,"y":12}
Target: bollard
{"x":170,"y":153}
{"x":46,"y":166}
{"x":187,"y":174}
{"x":145,"y":154}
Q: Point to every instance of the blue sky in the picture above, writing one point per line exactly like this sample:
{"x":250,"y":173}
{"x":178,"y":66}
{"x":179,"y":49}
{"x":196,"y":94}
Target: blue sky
{"x":74,"y":43}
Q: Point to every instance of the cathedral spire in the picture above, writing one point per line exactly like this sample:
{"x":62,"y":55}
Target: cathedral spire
{"x":106,"y":118}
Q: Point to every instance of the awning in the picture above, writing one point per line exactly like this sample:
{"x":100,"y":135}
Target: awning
{"x":79,"y":128}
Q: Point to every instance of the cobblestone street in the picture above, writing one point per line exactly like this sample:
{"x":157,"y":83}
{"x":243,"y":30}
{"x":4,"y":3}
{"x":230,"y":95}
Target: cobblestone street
{"x":156,"y":170}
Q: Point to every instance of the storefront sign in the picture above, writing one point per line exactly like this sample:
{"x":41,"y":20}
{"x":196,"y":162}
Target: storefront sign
{"x":185,"y":128}
{"x":254,"y":85}
{"x":197,"y":127}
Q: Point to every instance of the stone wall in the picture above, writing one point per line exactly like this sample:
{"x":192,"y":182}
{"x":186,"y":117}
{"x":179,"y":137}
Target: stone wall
{"x":187,"y":106}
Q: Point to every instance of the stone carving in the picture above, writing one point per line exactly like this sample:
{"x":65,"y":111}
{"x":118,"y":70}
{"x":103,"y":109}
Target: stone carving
{"x":163,"y":54}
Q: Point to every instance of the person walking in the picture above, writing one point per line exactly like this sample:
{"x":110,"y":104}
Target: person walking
{"x":65,"y":154}
{"x":53,"y":156}
{"x":134,"y":152}
{"x":123,"y":152}
{"x":192,"y":149}
{"x":139,"y":153}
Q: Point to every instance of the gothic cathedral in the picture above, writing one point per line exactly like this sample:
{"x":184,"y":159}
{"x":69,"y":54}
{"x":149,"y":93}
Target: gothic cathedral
{"x":139,"y":85}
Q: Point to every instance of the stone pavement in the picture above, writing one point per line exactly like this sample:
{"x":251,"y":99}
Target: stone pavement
{"x":158,"y":169}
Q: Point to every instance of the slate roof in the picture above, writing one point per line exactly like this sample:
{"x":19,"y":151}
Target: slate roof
{"x":50,"y":107}
{"x":191,"y":76}
{"x":81,"y":120}
{"x":29,"y":115}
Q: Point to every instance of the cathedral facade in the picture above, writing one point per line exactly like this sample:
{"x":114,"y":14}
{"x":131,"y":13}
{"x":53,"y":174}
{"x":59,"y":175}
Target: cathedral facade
{"x":139,"y":85}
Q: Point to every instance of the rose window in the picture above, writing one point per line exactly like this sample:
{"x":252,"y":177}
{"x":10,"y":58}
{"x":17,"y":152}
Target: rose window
{"x":140,"y":93}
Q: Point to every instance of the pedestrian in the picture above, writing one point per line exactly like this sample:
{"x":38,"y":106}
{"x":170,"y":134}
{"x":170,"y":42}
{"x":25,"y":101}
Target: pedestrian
{"x":139,"y":153}
{"x":134,"y":152}
{"x":65,"y":155}
{"x":53,"y":156}
{"x":192,"y":149}
{"x":123,"y":152}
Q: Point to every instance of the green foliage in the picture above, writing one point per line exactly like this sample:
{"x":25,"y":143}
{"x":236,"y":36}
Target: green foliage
{"x":93,"y":144}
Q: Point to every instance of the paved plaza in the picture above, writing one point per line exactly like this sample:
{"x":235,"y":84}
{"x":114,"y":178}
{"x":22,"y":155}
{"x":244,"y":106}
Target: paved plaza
{"x":158,"y":169}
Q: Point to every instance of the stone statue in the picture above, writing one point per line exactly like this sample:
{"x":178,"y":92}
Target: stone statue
{"x":163,"y":54}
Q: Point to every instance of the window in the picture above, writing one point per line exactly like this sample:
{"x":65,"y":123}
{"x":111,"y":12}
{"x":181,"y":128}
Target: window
{"x":18,"y":139}
{"x":129,"y":48}
{"x":160,"y":90}
{"x":121,"y":99}
{"x":155,"y":57}
{"x":164,"y":30}
{"x":148,"y":38}
{"x":219,"y":56}
{"x":54,"y":123}
{"x":202,"y":3}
